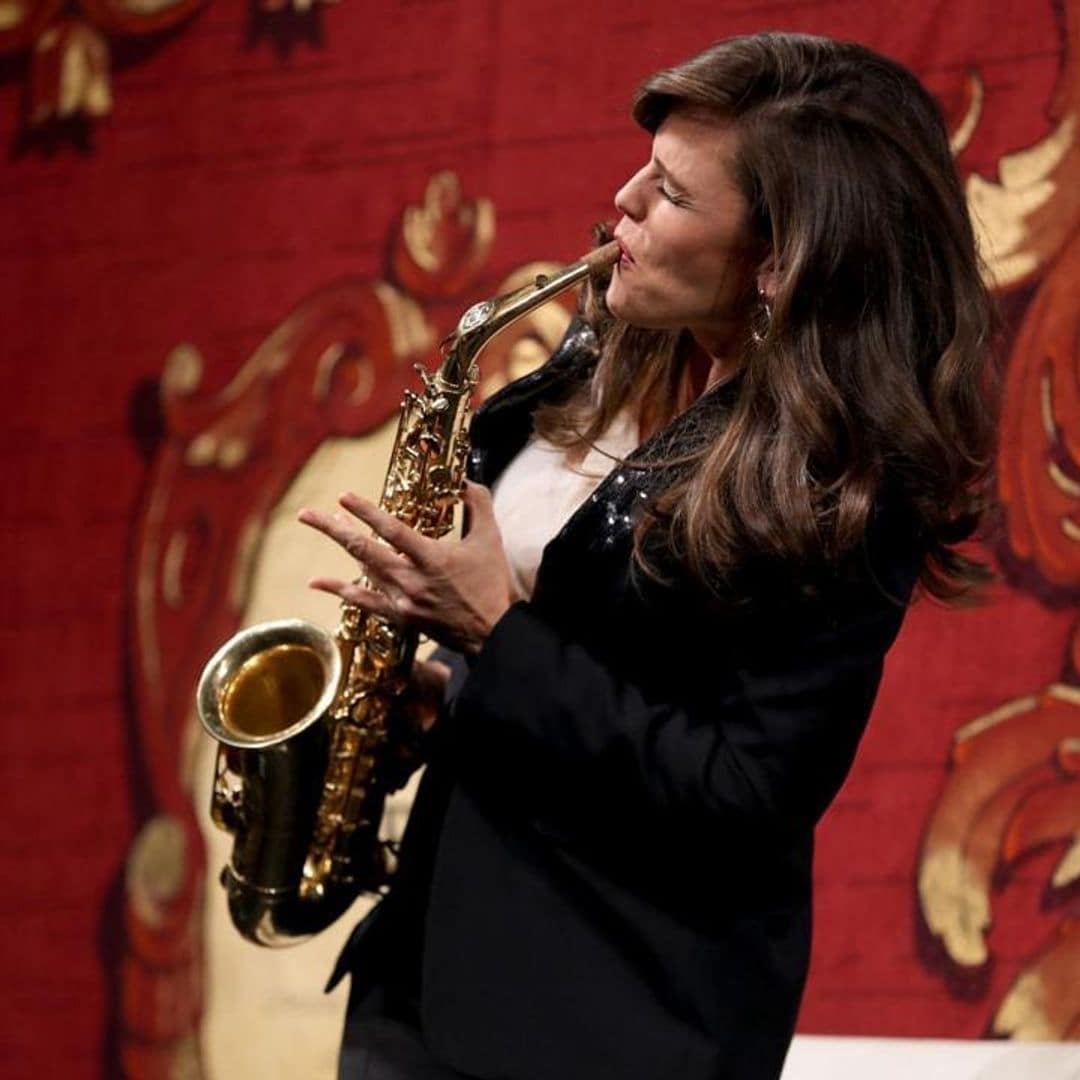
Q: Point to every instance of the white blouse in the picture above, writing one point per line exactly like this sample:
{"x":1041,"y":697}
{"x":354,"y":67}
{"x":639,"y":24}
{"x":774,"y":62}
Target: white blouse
{"x":539,"y":490}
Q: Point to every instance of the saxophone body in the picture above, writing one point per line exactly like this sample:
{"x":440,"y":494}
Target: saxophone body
{"x":309,"y":744}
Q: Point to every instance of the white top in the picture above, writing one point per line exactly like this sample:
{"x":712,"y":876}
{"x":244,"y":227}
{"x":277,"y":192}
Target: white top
{"x":538,"y":492}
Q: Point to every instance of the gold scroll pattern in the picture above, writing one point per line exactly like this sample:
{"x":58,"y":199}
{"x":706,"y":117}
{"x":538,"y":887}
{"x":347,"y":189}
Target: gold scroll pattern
{"x":67,"y":45}
{"x":1012,"y":787}
{"x":68,"y":48}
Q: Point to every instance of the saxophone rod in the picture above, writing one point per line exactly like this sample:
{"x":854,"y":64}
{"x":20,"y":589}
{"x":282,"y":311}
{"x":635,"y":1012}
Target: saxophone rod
{"x":545,"y":287}
{"x":484,"y":320}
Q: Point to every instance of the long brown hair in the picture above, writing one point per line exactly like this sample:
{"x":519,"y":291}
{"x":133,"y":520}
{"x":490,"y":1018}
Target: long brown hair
{"x":875,"y":364}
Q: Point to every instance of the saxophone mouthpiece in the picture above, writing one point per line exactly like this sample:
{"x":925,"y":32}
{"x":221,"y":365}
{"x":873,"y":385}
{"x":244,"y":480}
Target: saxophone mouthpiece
{"x":602,"y":257}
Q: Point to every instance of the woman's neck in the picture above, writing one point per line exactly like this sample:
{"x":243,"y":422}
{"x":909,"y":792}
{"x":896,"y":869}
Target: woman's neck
{"x":704,"y":369}
{"x":697,"y":372}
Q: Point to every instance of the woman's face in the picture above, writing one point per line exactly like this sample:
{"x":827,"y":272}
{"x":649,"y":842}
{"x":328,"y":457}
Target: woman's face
{"x":686,"y":251}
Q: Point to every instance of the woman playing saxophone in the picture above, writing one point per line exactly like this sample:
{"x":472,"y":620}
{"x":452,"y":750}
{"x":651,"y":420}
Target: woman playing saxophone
{"x":692,"y":537}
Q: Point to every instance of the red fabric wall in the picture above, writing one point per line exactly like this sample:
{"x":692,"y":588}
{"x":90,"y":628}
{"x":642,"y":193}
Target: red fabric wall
{"x":252,"y":158}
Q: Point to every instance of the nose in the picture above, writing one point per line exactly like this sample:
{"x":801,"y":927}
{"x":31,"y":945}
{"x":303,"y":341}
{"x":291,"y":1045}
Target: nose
{"x":629,"y":200}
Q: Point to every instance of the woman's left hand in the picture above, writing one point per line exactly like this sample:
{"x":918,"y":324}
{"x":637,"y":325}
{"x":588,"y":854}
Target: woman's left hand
{"x":452,"y":590}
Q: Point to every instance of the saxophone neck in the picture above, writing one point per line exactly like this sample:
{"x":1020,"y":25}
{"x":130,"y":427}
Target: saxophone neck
{"x":485,"y":320}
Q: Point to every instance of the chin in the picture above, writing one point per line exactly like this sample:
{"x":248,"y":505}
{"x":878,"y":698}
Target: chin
{"x":624,"y":309}
{"x":643,"y":320}
{"x":632,"y":307}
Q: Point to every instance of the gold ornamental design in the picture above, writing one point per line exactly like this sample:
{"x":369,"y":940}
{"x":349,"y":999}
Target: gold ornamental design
{"x":67,"y":46}
{"x":1013,"y":784}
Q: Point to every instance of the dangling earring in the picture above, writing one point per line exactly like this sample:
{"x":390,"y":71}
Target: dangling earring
{"x":761,"y":321}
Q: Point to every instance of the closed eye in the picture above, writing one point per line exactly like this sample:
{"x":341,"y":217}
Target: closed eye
{"x":671,"y":196}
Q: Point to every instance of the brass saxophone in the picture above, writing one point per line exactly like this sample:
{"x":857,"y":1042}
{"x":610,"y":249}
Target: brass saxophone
{"x":309,"y":745}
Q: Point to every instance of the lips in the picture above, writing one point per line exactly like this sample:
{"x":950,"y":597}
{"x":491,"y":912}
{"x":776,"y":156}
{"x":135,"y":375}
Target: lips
{"x":625,"y":258}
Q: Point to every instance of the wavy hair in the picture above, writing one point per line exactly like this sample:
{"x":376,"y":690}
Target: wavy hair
{"x":876,"y":364}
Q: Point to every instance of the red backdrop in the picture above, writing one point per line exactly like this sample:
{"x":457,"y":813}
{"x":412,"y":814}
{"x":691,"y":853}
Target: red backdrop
{"x":253,"y":158}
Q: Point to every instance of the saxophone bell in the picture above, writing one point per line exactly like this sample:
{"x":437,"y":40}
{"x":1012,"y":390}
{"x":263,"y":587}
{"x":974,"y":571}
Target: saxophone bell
{"x":264,"y":696}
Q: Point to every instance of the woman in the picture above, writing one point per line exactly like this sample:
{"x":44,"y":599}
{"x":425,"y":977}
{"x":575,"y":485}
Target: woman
{"x":607,"y":870}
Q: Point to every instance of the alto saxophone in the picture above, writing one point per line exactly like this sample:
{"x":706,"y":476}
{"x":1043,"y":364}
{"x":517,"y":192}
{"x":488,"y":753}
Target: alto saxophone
{"x":309,"y":744}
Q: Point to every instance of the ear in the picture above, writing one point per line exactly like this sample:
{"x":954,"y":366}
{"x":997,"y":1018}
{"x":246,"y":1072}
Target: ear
{"x":768,"y":278}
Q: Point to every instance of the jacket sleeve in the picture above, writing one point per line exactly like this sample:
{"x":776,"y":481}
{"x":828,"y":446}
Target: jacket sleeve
{"x":764,"y":745}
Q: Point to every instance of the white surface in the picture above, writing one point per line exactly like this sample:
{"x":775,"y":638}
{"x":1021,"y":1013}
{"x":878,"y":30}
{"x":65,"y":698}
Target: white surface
{"x":820,"y":1057}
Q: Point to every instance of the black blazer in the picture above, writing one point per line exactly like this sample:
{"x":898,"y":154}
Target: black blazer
{"x":607,"y":870}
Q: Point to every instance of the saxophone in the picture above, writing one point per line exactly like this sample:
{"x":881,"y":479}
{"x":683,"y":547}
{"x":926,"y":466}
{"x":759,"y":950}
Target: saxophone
{"x":309,"y":744}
